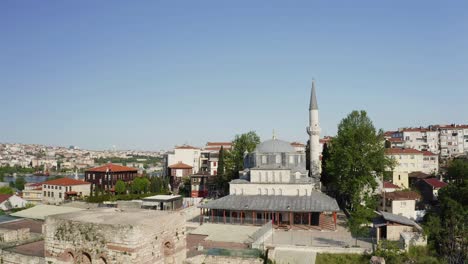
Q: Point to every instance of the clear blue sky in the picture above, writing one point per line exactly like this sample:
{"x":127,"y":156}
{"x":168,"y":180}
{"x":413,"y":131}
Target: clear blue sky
{"x":152,"y":74}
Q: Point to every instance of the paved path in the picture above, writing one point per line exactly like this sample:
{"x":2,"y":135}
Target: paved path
{"x":294,"y":257}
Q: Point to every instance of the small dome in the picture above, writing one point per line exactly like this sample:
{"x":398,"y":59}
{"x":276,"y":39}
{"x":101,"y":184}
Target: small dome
{"x":274,"y":146}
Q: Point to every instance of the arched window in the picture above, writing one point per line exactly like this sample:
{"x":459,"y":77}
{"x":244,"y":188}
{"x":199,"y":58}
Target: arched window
{"x":259,"y":191}
{"x":272,"y":191}
{"x":278,"y":158}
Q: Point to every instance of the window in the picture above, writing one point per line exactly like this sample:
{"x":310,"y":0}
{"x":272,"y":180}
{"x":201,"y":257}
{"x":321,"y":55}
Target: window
{"x":272,"y":191}
{"x":264,"y":159}
{"x":214,"y":163}
{"x":399,"y":177}
{"x":280,"y":191}
{"x":60,"y":195}
{"x":45,"y":193}
{"x":215,"y":172}
{"x":259,"y":191}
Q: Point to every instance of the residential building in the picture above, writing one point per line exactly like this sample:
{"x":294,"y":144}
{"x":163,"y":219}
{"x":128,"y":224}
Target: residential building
{"x":201,"y":184}
{"x":178,"y":172}
{"x":429,"y":189}
{"x":106,"y":176}
{"x":58,"y":190}
{"x":453,"y":140}
{"x":411,"y":160}
{"x":390,"y":187}
{"x":298,"y":147}
{"x":391,"y":227}
{"x":423,"y":139}
{"x":275,"y":186}
{"x":183,"y":154}
{"x":33,"y":192}
{"x":400,"y":203}
{"x":11,"y":201}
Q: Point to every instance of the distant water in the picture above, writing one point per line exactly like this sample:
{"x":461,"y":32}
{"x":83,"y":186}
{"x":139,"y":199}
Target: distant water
{"x":35,"y":179}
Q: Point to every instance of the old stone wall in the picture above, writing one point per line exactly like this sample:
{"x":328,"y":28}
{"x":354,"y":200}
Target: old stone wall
{"x":8,"y":235}
{"x":7,"y":257}
{"x":162,"y":242}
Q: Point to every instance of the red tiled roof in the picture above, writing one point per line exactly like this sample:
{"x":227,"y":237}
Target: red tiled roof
{"x":402,"y":195}
{"x":325,"y":139}
{"x":389,"y":185}
{"x":4,"y":197}
{"x":393,"y":151}
{"x":389,"y":133}
{"x":112,"y":168}
{"x":435,"y":183}
{"x":33,"y":184}
{"x":428,"y":153}
{"x":218,"y":144}
{"x":180,"y":165}
{"x":71,"y":193}
{"x":415,"y":129}
{"x":297,"y":144}
{"x":395,"y":140}
{"x":185,"y":147}
{"x":418,"y":174}
{"x":452,"y":126}
{"x":65,"y":182}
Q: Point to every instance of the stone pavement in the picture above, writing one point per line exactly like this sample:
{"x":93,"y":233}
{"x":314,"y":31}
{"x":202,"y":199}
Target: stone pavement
{"x":226,"y":232}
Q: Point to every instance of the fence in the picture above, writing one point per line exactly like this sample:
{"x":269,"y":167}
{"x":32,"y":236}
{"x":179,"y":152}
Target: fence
{"x":259,"y":237}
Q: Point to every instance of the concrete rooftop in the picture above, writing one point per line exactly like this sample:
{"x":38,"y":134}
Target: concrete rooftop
{"x":115,"y":216}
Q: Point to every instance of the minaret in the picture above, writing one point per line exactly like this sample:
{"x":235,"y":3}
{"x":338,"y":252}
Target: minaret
{"x":314,"y":135}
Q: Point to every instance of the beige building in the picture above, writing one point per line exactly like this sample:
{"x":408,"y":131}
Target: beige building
{"x":411,"y":160}
{"x":33,"y":192}
{"x":59,"y":190}
{"x":400,"y":203}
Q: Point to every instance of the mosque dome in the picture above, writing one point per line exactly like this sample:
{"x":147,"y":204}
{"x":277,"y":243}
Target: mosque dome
{"x":274,"y":146}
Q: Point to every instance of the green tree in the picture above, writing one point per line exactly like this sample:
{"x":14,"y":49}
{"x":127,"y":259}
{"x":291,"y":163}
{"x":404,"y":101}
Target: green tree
{"x":221,"y":177}
{"x":357,"y":156}
{"x":457,"y":171}
{"x":234,"y":159}
{"x":325,"y":175}
{"x":6,"y":190}
{"x":19,"y":183}
{"x":242,"y":144}
{"x":120,"y":187}
{"x":446,"y":224}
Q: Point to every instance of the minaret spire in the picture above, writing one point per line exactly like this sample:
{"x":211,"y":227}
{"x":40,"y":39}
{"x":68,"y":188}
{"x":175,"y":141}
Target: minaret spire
{"x":314,"y":136}
{"x":313,"y":99}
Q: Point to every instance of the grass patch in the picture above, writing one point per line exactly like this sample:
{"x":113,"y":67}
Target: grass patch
{"x":326,"y":258}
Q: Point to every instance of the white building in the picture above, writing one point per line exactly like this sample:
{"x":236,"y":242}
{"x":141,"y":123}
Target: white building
{"x":275,"y":185}
{"x":184,"y":154}
{"x":11,"y":201}
{"x":59,"y":190}
{"x":453,"y":140}
{"x":423,"y":139}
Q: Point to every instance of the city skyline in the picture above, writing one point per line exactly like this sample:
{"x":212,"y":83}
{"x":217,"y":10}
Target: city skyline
{"x":154,"y":76}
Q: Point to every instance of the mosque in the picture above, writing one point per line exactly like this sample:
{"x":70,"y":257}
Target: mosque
{"x":275,"y":186}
